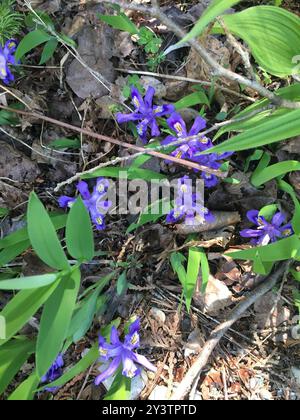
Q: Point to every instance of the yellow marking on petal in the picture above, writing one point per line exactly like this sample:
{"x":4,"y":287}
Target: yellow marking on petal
{"x":11,"y":44}
{"x":3,"y":72}
{"x":184,"y":188}
{"x":102,"y":351}
{"x":287,"y":232}
{"x":200,"y":219}
{"x":136,"y":102}
{"x":131,"y":374}
{"x":134,"y":339}
{"x":178,"y":127}
{"x":100,"y":188}
{"x":260,"y":221}
{"x":204,"y":140}
{"x":99,"y":220}
{"x":179,"y":154}
{"x":158,"y":109}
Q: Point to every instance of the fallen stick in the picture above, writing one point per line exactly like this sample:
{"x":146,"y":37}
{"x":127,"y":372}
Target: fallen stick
{"x":222,"y":219}
{"x":195,"y":370}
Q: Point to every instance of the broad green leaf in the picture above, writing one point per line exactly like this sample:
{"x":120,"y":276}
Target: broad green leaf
{"x":131,"y":172}
{"x":12,"y":357}
{"x":79,"y":232}
{"x":256,"y":155}
{"x":42,"y":235}
{"x":23,"y":283}
{"x":284,"y":249}
{"x":270,"y":131}
{"x":291,"y":93}
{"x":192,"y":100}
{"x":49,"y":50}
{"x":273,"y":35}
{"x":177,"y":260}
{"x":295,"y":274}
{"x":65,"y":143}
{"x":3,"y":211}
{"x":55,"y":321}
{"x":215,"y":9}
{"x":121,"y":22}
{"x":274,"y":171}
{"x":21,"y":235}
{"x":122,"y":284}
{"x":193,"y":267}
{"x":10,"y":253}
{"x":30,"y":41}
{"x":263,"y":163}
{"x":22,"y":307}
{"x":296,"y":217}
{"x":268,"y":211}
{"x":25,"y":391}
{"x":120,"y":388}
{"x":205,"y":271}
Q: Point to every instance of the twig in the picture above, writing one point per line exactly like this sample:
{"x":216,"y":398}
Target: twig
{"x":151,"y":152}
{"x":188,"y":80}
{"x":195,"y":371}
{"x":217,"y":69}
{"x":6,"y":90}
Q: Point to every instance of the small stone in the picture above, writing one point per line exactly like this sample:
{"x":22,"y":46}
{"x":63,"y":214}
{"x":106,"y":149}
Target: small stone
{"x":158,"y":315}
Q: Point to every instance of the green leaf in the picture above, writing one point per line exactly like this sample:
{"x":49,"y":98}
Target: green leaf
{"x":64,"y":143}
{"x":49,"y":50}
{"x":205,"y":271}
{"x":26,"y":389}
{"x":274,"y":171}
{"x":42,"y":235}
{"x":216,"y":8}
{"x":79,"y":232}
{"x":3,"y":211}
{"x":131,"y":172}
{"x":12,"y":357}
{"x":176,"y":260}
{"x":122,"y":283}
{"x":284,"y":249}
{"x":120,"y":22}
{"x":296,"y":217}
{"x":192,"y":100}
{"x":22,"y":307}
{"x":24,"y":283}
{"x":193,"y":267}
{"x":271,"y":130}
{"x":55,"y":321}
{"x":30,"y":41}
{"x":10,"y":253}
{"x":268,"y":211}
{"x":147,"y":216}
{"x":256,"y":155}
{"x":273,"y":35}
{"x":21,"y":235}
{"x":120,"y":388}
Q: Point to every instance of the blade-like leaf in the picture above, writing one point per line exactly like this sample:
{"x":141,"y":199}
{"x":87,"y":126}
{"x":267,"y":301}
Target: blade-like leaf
{"x":55,"y":321}
{"x":79,"y":232}
{"x":42,"y":235}
{"x":273,"y":35}
{"x":22,"y":307}
{"x":270,"y":131}
{"x":193,"y":268}
{"x":23,"y":283}
{"x":26,"y":389}
{"x":30,"y":41}
{"x":49,"y":50}
{"x":12,"y":357}
{"x":274,"y":171}
{"x":216,"y":8}
{"x":120,"y":388}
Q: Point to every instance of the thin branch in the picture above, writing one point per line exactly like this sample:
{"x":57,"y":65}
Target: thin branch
{"x":217,"y":69}
{"x":195,"y":370}
{"x":188,"y":80}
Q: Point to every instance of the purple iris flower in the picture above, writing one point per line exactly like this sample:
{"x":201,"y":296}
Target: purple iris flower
{"x":6,"y":58}
{"x":267,"y":231}
{"x":187,"y":206}
{"x":54,"y":373}
{"x":145,"y":112}
{"x":94,"y":201}
{"x":122,"y":354}
{"x":191,"y":150}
